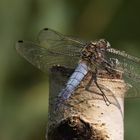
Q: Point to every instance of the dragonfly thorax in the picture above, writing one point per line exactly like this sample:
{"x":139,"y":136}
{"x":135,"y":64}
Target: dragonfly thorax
{"x":95,"y":51}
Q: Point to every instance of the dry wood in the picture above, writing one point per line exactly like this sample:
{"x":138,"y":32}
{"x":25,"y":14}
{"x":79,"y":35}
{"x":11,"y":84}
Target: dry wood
{"x":85,"y":116}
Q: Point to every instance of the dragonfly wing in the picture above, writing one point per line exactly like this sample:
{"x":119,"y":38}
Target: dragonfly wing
{"x":44,"y":58}
{"x":55,"y":40}
{"x":129,"y":66}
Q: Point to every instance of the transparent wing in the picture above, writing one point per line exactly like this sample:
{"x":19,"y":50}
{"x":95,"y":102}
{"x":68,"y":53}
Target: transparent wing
{"x":129,"y":66}
{"x":44,"y":58}
{"x":49,"y":38}
{"x":52,"y":48}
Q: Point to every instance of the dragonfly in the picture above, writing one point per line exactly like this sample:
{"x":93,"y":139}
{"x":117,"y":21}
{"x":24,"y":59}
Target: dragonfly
{"x":53,"y":48}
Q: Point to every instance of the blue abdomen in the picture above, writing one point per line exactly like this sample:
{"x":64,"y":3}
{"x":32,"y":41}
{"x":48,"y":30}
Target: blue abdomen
{"x":74,"y":80}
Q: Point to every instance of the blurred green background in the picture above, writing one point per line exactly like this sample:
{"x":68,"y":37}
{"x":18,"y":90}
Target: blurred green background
{"x":24,"y":89}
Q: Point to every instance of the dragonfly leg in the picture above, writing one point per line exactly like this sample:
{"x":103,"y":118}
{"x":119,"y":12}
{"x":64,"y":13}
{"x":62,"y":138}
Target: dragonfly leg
{"x":59,"y":101}
{"x":103,"y":94}
{"x":89,"y":83}
{"x":94,"y":78}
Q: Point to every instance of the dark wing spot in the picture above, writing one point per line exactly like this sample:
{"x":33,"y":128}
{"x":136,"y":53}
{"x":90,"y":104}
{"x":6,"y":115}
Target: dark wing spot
{"x":20,"y":41}
{"x":45,"y":29}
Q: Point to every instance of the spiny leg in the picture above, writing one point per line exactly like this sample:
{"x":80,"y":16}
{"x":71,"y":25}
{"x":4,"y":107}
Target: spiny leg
{"x":103,"y":94}
{"x":89,"y":83}
{"x":59,"y":101}
{"x":94,"y":77}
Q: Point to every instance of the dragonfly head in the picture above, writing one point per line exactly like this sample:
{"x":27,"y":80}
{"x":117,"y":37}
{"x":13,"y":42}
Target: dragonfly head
{"x":103,"y":44}
{"x":95,"y":50}
{"x":99,"y":48}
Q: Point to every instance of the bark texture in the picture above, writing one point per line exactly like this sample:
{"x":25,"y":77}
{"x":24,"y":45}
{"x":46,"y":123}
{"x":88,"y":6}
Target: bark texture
{"x":85,"y":116}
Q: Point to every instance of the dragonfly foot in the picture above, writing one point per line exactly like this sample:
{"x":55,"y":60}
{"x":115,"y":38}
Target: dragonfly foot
{"x":107,"y":103}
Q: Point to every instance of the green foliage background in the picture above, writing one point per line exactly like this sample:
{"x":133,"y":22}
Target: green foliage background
{"x":24,"y":89}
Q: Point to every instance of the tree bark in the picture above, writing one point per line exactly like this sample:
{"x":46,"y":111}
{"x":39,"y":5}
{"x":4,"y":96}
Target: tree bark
{"x":85,"y":116}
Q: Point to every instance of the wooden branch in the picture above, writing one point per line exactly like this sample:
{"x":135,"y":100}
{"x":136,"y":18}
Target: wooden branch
{"x":85,"y":116}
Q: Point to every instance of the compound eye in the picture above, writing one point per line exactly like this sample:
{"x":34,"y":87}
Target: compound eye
{"x":105,"y":43}
{"x":108,"y":45}
{"x":93,"y":43}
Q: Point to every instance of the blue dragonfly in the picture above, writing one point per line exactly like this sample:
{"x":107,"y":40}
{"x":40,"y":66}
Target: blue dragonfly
{"x":53,"y":48}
